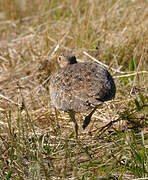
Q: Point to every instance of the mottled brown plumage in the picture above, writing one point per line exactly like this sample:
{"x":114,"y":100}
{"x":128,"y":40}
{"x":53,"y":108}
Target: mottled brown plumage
{"x":78,"y":86}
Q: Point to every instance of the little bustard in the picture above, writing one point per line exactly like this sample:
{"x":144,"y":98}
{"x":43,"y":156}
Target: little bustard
{"x":79,"y":86}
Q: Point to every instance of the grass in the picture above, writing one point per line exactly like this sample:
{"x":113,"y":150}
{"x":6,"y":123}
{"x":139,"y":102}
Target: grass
{"x":38,"y":142}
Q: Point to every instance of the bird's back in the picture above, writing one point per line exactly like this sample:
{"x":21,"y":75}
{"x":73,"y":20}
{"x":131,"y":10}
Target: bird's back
{"x":80,"y":86}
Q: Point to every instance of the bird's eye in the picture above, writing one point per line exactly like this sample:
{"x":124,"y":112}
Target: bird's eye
{"x":60,"y":58}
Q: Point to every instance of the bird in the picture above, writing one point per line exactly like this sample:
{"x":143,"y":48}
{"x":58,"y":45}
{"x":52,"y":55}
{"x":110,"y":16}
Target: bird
{"x":79,"y":86}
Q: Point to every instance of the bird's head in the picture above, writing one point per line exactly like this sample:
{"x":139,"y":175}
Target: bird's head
{"x":65,"y":59}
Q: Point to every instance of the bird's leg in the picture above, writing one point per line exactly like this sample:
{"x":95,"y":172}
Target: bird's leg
{"x":88,"y":118}
{"x":72,"y":116}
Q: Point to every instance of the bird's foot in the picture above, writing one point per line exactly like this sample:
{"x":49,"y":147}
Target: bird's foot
{"x":86,"y":122}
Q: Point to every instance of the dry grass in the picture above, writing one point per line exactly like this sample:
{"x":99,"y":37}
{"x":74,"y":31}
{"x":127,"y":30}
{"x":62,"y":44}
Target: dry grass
{"x":36,"y":141}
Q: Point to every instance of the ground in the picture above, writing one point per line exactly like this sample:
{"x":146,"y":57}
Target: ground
{"x":36,"y":140}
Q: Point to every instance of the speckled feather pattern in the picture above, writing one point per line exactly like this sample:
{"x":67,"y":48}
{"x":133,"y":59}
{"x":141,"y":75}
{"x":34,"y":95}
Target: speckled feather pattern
{"x":81,"y":86}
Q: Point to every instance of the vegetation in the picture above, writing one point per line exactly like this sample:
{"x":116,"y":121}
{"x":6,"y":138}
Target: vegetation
{"x":36,"y":141}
